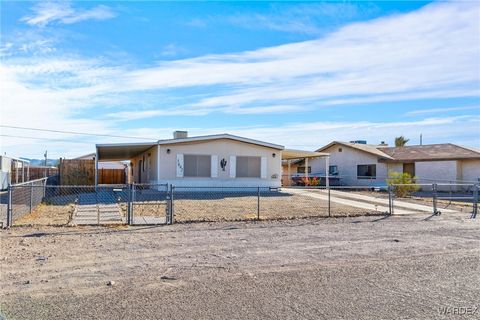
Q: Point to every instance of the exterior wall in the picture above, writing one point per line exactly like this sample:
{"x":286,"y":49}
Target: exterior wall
{"x":149,"y":175}
{"x":470,"y":170}
{"x":436,"y":171}
{"x":223,"y":148}
{"x":347,"y":162}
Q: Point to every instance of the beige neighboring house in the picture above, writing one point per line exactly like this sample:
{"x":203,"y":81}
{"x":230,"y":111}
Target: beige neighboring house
{"x":212,"y":161}
{"x":366,"y":164}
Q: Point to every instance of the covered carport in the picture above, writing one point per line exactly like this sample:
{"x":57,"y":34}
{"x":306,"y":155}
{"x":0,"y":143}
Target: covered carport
{"x":119,"y":152}
{"x":291,"y":154}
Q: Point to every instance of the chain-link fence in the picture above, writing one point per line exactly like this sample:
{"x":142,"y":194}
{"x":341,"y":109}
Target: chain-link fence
{"x":38,"y":203}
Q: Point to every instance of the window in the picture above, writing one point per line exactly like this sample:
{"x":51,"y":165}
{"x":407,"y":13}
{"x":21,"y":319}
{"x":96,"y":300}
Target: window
{"x":197,"y":165}
{"x":302,"y":169}
{"x":333,"y":170}
{"x":340,"y":150}
{"x":366,"y":171}
{"x":248,"y":167}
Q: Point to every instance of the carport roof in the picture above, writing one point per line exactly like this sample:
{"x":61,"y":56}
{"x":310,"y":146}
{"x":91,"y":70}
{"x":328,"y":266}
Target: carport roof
{"x":291,"y":154}
{"x":127,"y":151}
{"x":122,"y":151}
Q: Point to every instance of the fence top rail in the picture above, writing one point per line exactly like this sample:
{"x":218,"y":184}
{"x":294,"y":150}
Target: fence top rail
{"x":218,"y":187}
{"x":431,"y":184}
{"x":29,"y":182}
{"x":338,"y":187}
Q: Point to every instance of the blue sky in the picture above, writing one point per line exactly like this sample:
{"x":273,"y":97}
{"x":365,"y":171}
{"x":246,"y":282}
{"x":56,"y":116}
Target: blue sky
{"x":298,"y":74}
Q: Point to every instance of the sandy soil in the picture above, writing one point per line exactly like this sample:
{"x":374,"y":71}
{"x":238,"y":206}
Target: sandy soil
{"x":48,"y":215}
{"x":344,"y":268}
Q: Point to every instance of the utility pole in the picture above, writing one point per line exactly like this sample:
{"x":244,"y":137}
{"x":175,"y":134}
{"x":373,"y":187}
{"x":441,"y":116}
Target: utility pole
{"x":421,"y":142}
{"x":45,"y":155}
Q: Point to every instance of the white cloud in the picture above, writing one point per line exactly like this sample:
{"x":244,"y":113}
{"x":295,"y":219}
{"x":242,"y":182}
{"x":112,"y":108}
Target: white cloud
{"x":442,"y":110}
{"x":46,"y":13}
{"x":429,"y":53}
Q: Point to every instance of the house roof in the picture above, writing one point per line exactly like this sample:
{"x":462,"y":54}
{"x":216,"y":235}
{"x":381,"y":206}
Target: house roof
{"x":372,"y":149}
{"x":444,"y":151}
{"x":124,"y":151}
{"x":220,"y":136}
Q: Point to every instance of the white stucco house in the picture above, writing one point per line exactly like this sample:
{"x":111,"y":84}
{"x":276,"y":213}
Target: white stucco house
{"x":212,"y":161}
{"x":368,"y":165}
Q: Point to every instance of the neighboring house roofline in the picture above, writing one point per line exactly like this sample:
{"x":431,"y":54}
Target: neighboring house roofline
{"x":431,"y":152}
{"x":368,"y":148}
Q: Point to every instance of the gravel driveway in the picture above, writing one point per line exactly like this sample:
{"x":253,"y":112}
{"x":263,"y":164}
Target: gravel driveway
{"x":343,"y":268}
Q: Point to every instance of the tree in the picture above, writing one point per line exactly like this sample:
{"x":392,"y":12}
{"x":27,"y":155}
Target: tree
{"x":401,"y":141}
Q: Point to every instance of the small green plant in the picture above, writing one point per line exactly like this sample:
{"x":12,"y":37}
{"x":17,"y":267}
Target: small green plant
{"x":404,"y":184}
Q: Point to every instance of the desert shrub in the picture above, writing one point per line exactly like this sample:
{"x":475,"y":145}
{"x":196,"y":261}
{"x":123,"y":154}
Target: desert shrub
{"x":404,"y":184}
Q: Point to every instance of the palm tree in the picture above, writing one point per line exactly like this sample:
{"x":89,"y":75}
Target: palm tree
{"x":401,"y":141}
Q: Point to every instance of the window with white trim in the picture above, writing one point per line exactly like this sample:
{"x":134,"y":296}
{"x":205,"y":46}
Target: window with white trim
{"x":248,"y":167}
{"x":196,"y":165}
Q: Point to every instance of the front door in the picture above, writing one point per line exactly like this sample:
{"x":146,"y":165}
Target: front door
{"x":409,"y":168}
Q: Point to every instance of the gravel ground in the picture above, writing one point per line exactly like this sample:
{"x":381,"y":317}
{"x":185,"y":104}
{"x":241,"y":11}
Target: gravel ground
{"x":342,"y":268}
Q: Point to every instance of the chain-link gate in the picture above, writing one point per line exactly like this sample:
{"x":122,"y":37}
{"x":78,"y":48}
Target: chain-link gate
{"x":150,"y":204}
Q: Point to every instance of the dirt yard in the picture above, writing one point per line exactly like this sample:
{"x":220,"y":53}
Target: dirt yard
{"x":408,"y":267}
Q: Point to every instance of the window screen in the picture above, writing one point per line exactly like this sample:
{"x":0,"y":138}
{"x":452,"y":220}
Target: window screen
{"x":248,"y":167}
{"x":197,"y":165}
{"x":366,"y":171}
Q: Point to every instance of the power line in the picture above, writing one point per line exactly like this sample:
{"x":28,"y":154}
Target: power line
{"x":49,"y":139}
{"x":76,"y":132}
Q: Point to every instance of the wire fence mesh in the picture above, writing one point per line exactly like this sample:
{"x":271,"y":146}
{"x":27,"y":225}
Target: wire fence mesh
{"x":38,"y":203}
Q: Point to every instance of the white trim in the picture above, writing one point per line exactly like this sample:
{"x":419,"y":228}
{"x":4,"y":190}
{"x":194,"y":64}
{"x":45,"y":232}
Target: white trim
{"x":233,"y":166}
{"x":263,"y":168}
{"x":214,"y":166}
{"x":180,"y":165}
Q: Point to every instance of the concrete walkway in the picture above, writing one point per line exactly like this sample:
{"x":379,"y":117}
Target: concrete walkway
{"x":396,"y":203}
{"x":145,"y":220}
{"x":357,"y":204}
{"x":91,"y":214}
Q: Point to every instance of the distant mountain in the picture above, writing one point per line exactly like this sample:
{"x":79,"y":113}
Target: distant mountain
{"x":41,"y":162}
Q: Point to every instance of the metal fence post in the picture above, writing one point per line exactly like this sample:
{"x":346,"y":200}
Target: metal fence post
{"x":329,"y":203}
{"x":390,"y":200}
{"x":475,"y":201}
{"x":31,"y":198}
{"x":171,"y":213}
{"x":258,"y":203}
{"x":434,"y":190}
{"x":129,"y":204}
{"x":9,"y":207}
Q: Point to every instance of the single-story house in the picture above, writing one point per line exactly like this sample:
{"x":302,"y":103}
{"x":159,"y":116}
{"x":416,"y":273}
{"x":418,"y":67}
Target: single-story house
{"x":365,"y":164}
{"x":212,"y":160}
